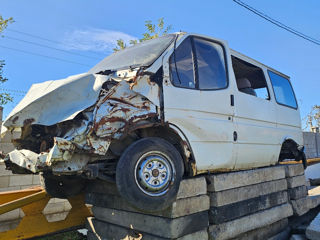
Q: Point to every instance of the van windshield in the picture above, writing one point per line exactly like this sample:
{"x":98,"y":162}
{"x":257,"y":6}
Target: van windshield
{"x":141,"y":54}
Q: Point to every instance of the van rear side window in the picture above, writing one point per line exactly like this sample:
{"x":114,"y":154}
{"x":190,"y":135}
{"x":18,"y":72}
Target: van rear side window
{"x":283,"y":90}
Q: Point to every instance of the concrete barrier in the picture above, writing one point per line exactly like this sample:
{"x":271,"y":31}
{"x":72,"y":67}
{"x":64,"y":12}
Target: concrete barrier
{"x":252,"y":204}
{"x":186,"y":218}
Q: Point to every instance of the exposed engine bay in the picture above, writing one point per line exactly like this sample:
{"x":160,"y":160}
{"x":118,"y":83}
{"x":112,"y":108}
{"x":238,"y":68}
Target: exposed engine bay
{"x":81,"y":134}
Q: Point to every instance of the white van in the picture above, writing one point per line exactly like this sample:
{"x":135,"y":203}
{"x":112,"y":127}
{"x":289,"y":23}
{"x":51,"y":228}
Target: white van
{"x":147,"y":116}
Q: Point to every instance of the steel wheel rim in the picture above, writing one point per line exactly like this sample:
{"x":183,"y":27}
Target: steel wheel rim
{"x":154,"y":172}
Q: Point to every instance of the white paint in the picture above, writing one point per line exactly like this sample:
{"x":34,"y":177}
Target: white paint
{"x":206,"y":118}
{"x":55,"y":101}
{"x":203,"y":116}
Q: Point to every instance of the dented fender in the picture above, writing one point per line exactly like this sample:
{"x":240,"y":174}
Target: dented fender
{"x":116,"y":111}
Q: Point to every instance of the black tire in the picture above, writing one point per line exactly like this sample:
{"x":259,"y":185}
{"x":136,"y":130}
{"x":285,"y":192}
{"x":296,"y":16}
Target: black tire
{"x":304,"y":160}
{"x":129,"y":183}
{"x":62,"y":186}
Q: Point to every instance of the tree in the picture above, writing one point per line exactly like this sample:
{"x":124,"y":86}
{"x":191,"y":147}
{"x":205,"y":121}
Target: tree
{"x":153,"y":31}
{"x":4,"y":97}
{"x":313,"y":118}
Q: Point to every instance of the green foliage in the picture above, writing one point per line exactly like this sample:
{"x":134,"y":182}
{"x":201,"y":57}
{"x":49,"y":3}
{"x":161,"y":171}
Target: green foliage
{"x":73,"y":235}
{"x":4,"y":23}
{"x":120,"y":45}
{"x":153,"y":31}
{"x":4,"y":97}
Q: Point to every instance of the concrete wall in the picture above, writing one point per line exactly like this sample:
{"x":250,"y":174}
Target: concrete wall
{"x":312,"y":144}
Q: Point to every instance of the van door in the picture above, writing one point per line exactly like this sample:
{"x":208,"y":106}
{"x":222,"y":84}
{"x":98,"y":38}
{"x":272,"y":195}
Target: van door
{"x":197,"y":100}
{"x":255,"y":116}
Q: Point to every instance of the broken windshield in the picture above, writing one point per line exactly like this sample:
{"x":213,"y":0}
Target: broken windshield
{"x":141,"y":54}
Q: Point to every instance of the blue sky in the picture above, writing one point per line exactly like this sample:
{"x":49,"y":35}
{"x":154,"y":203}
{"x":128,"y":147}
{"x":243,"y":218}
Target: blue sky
{"x":91,"y":28}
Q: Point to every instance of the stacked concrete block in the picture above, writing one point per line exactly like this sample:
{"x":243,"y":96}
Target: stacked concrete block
{"x":114,"y":218}
{"x":298,"y":190}
{"x":250,"y":204}
{"x":10,"y":181}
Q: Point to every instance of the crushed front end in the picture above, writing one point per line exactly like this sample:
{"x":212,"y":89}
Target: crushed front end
{"x":68,"y":130}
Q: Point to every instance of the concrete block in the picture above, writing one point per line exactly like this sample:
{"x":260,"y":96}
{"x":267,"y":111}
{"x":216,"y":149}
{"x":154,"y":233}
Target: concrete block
{"x":264,"y":232}
{"x":298,"y":237}
{"x":53,"y":208}
{"x":36,"y":180}
{"x":9,"y":189}
{"x":159,"y":226}
{"x":225,"y":181}
{"x":239,"y":209}
{"x":21,"y":213}
{"x":298,"y":192}
{"x":12,"y":215}
{"x":192,"y":187}
{"x":102,"y":230}
{"x":293,"y":170}
{"x":26,"y":186}
{"x":3,"y":171}
{"x":296,"y":181}
{"x":9,"y":225}
{"x":179,"y":208}
{"x":18,"y":180}
{"x":226,"y":197}
{"x":67,"y":206}
{"x":55,"y":217}
{"x":99,"y":186}
{"x":4,"y":181}
{"x":188,"y":187}
{"x":313,"y":230}
{"x":284,"y":235}
{"x":303,"y":205}
{"x":300,"y":206}
{"x":257,"y":220}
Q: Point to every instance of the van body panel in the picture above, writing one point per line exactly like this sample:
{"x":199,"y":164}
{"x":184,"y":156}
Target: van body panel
{"x":226,"y":128}
{"x":205,"y":117}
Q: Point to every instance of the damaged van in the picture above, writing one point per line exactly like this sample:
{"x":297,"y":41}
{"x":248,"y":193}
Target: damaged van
{"x":149,"y":115}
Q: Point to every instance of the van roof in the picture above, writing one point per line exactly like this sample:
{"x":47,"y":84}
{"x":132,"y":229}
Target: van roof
{"x":234,"y":52}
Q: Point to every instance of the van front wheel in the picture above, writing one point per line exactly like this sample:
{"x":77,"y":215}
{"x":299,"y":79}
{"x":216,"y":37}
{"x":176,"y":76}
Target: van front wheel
{"x":149,"y":173}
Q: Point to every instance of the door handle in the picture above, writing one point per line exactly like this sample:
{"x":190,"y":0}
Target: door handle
{"x":232,"y":100}
{"x":235,"y":136}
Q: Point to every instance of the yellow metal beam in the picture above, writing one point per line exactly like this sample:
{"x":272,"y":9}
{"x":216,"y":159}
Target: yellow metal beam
{"x":6,"y":197}
{"x":18,"y":203}
{"x":34,"y":223}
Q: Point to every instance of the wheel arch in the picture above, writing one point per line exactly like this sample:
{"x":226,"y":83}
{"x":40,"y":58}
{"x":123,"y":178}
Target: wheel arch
{"x":168,"y":132}
{"x":288,"y":149}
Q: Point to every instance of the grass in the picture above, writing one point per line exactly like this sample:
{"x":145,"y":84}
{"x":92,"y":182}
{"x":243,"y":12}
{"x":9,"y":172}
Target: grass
{"x":73,"y":235}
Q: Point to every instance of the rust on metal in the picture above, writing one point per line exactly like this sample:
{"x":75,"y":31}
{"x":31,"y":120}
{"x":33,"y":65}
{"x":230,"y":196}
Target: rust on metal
{"x":28,"y":121}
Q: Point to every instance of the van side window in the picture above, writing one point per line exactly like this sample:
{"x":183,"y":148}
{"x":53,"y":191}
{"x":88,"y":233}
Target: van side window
{"x":250,"y":78}
{"x":181,"y":65}
{"x":210,"y":65}
{"x":283,"y":90}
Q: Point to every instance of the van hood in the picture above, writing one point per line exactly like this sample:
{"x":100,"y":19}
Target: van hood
{"x":55,"y":101}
